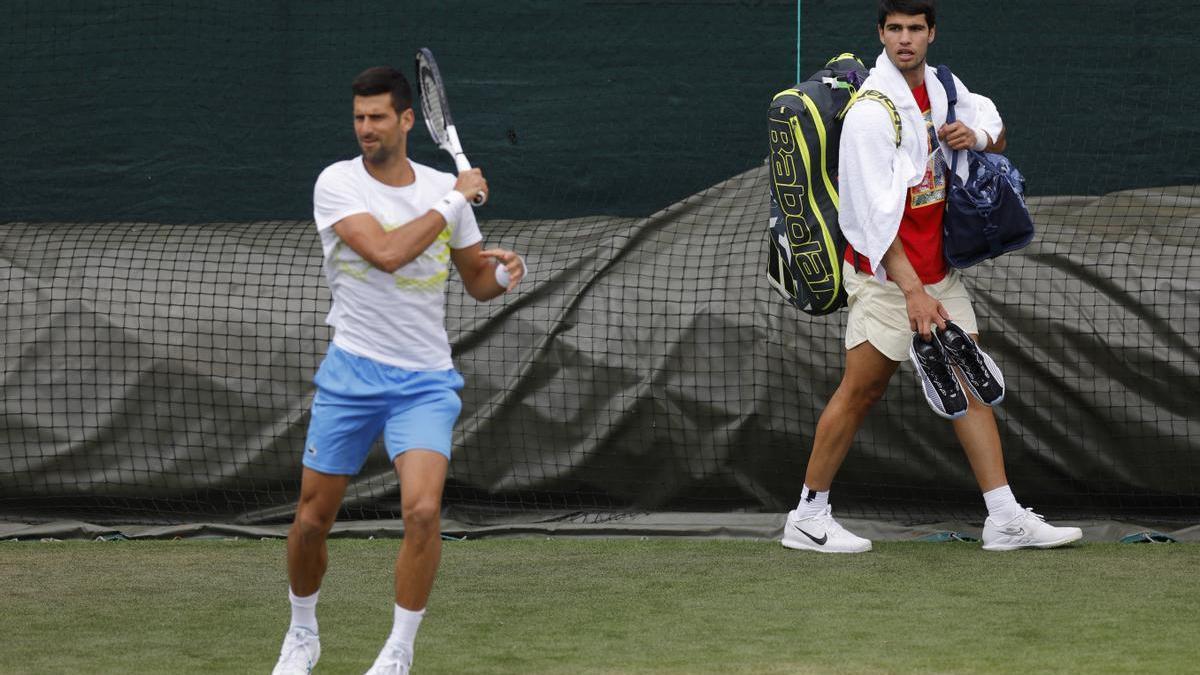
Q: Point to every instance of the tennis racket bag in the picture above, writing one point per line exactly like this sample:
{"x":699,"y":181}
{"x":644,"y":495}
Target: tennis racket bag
{"x":805,"y":244}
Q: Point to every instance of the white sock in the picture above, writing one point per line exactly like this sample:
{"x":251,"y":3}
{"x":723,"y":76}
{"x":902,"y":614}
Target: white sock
{"x":812,"y":503}
{"x":404,"y":627}
{"x":1002,"y":506}
{"x":304,"y":610}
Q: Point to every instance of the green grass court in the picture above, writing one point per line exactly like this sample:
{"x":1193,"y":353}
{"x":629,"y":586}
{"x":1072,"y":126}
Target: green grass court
{"x":537,"y":605}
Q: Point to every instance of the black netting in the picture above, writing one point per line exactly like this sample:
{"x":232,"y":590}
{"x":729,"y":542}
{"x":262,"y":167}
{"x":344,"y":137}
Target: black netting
{"x":163,"y":371}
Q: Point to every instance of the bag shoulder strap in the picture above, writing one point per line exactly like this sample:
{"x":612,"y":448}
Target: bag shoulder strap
{"x":947,"y":79}
{"x":882,"y":99}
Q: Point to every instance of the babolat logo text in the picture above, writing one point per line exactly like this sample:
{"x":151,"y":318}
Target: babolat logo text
{"x":806,"y":245}
{"x":784,"y":175}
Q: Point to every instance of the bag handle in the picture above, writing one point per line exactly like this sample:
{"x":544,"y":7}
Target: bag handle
{"x":947,"y":79}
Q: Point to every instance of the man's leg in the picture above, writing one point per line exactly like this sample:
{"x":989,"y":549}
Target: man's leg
{"x":307,"y":555}
{"x":811,"y":525}
{"x":422,"y":477}
{"x":1008,"y":526}
{"x":863,"y":384}
{"x":307,"y":558}
{"x":980,"y":440}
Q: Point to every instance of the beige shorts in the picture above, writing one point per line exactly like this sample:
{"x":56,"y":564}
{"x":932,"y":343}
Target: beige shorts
{"x":879,"y":315}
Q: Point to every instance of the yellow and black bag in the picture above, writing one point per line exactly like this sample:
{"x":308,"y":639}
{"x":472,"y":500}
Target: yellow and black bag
{"x":805,"y":243}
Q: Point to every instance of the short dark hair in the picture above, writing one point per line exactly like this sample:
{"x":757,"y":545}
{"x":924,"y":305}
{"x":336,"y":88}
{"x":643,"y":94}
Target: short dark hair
{"x":909,"y":7}
{"x":384,"y":80}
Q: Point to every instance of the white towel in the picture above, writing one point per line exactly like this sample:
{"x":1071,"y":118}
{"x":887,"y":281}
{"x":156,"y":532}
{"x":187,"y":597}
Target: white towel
{"x":874,"y":175}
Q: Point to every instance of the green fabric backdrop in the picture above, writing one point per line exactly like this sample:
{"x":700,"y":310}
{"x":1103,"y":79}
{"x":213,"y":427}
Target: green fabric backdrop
{"x":172,"y":111}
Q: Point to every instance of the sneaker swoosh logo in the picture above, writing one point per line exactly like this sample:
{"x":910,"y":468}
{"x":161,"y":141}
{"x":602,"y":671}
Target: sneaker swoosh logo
{"x":819,"y":542}
{"x":1013,"y":531}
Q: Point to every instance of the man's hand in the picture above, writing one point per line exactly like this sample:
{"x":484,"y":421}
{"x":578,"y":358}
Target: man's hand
{"x":512,"y":263}
{"x":924,"y":312}
{"x":471,"y":183}
{"x":958,"y":136}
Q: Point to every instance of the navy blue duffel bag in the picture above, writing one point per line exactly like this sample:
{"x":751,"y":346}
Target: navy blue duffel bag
{"x":986,"y":216}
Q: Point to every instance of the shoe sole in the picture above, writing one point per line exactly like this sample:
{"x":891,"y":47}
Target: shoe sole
{"x":912,"y":357}
{"x":801,"y":546}
{"x":1074,"y":536}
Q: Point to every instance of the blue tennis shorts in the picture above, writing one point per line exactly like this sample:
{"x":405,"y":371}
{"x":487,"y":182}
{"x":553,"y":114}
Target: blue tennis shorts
{"x":358,"y":399}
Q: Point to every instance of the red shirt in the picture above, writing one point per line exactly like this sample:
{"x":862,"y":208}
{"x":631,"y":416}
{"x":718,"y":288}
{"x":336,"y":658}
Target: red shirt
{"x":921,"y":225}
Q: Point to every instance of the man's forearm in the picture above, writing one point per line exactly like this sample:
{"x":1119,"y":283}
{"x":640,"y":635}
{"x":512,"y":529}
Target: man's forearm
{"x":898,"y":267}
{"x":407,"y":242}
{"x":483,"y":285}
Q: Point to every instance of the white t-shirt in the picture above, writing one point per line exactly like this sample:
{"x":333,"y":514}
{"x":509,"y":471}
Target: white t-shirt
{"x":398,"y":318}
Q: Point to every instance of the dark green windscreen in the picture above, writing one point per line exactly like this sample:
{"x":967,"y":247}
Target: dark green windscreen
{"x":171,"y":111}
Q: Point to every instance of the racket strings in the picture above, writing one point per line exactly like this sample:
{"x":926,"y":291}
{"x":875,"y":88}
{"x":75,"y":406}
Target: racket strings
{"x":433,"y":101}
{"x":432,"y":105}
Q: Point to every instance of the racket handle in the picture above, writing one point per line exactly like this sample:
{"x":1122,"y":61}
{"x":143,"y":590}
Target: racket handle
{"x":460,"y":161}
{"x":454,"y":146}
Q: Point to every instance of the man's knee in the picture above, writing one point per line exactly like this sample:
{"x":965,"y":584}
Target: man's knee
{"x":422,"y":515}
{"x":863,"y":395}
{"x":866,"y":378}
{"x":312,"y":523}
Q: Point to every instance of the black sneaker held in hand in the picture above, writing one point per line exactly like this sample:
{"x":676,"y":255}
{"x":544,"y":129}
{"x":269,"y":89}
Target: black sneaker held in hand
{"x":981,"y":373}
{"x":942,"y":390}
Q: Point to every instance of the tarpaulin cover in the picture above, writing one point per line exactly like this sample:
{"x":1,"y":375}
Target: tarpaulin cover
{"x":163,"y":373}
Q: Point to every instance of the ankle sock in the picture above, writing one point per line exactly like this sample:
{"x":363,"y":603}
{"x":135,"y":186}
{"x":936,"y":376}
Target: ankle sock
{"x":404,"y":627}
{"x":304,"y":610}
{"x":1002,"y":506}
{"x":812,"y":503}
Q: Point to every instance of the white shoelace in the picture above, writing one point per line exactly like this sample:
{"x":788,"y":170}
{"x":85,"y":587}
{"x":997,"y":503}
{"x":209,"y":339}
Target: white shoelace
{"x":392,"y":660}
{"x":831,"y":525}
{"x":295,"y":647}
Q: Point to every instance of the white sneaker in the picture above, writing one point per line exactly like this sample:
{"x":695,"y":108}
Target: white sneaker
{"x":1028,"y":530}
{"x":392,"y":660}
{"x":301,"y":649}
{"x":821,"y":533}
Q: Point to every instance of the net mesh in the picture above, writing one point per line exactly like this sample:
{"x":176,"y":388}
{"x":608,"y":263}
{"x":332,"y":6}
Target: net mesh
{"x":163,"y":299}
{"x":163,"y":372}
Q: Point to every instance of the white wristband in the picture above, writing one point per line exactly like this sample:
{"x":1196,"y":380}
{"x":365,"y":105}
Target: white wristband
{"x":981,"y":141}
{"x":450,"y":205}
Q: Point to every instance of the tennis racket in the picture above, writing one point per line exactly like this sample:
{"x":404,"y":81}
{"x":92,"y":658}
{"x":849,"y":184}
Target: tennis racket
{"x":437,"y":113}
